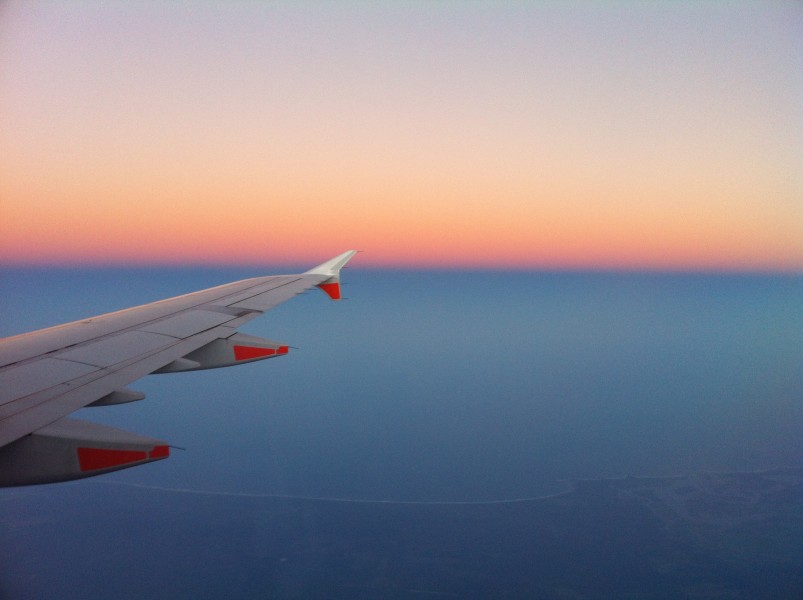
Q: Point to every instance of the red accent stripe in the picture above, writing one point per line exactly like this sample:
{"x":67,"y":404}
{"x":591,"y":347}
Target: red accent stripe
{"x":248,"y":352}
{"x":331,"y":289}
{"x":159,"y":452}
{"x":92,"y":459}
{"x":283,"y":350}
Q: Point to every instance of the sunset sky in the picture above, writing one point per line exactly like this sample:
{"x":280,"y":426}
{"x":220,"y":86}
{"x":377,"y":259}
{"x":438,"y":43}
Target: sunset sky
{"x":614,"y":135}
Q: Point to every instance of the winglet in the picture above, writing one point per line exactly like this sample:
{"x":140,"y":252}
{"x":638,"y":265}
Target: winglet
{"x":332,"y":266}
{"x":331,"y":269}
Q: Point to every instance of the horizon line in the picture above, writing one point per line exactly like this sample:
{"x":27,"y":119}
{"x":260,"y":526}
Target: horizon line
{"x":418,"y":267}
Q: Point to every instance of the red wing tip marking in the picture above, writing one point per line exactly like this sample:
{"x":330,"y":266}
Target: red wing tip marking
{"x":249,"y":352}
{"x":283,"y":350}
{"x":332,"y":289}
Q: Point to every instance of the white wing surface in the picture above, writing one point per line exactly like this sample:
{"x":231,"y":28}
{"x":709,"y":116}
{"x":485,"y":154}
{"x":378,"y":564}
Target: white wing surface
{"x":45,"y":375}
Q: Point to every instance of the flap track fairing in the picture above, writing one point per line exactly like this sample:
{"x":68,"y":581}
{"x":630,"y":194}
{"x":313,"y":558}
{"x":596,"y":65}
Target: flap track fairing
{"x":73,"y":449}
{"x":225,"y":352}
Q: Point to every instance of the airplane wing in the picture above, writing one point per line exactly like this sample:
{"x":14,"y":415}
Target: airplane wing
{"x":45,"y":375}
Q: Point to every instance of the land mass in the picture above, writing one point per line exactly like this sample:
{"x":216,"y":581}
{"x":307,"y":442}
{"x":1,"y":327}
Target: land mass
{"x":721,"y":536}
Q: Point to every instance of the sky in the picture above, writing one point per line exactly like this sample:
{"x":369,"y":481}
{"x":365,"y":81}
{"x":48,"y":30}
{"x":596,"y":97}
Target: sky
{"x":579,"y":135}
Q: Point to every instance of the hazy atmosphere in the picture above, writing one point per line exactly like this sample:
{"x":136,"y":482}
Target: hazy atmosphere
{"x":362,"y":464}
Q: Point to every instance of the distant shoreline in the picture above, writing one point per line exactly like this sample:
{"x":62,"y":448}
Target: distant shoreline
{"x":686,"y":476}
{"x":571,"y":483}
{"x":178,"y":490}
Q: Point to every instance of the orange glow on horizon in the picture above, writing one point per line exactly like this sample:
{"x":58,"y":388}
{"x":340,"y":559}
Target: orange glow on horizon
{"x":412,"y":141}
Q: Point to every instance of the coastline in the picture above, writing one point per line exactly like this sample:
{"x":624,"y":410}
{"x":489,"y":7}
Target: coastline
{"x":573,"y":486}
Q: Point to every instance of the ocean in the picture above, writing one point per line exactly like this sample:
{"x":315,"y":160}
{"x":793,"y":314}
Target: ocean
{"x":428,"y":387}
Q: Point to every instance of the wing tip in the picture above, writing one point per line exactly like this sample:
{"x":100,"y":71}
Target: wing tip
{"x":331,"y":270}
{"x":332,"y":289}
{"x":332,"y":266}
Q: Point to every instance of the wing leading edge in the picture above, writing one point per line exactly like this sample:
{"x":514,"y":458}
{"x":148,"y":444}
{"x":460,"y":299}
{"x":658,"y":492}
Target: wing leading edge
{"x":45,"y":375}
